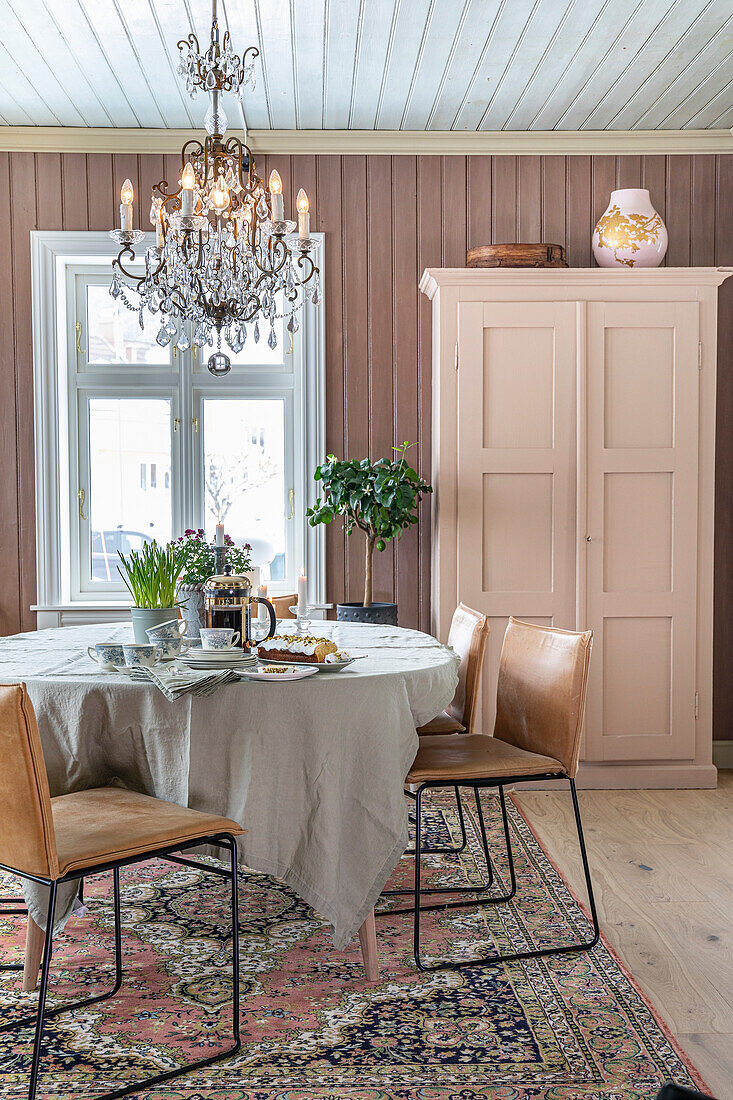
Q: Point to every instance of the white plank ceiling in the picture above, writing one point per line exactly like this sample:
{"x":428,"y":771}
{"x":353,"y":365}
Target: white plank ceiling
{"x":466,"y":65}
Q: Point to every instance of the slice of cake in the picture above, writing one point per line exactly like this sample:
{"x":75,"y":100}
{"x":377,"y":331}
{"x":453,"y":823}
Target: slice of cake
{"x":303,"y":648}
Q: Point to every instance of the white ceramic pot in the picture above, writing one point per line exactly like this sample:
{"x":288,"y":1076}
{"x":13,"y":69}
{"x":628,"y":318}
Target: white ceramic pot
{"x":630,"y":233}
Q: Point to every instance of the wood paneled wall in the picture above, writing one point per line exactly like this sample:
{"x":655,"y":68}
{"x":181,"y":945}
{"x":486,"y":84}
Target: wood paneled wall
{"x":385,"y":219}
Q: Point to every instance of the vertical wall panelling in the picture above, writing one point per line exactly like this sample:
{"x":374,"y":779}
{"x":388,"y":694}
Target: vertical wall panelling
{"x":385,"y":220}
{"x":429,"y":254}
{"x":9,"y":549}
{"x":405,"y":308}
{"x":381,"y":380}
{"x":22,"y":221}
{"x":679,"y":210}
{"x":329,"y":220}
{"x":723,"y":627}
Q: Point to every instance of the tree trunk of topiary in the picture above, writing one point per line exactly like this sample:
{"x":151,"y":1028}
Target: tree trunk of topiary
{"x":370,"y":541}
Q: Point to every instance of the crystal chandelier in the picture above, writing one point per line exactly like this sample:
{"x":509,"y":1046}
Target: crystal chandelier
{"x":226,"y":263}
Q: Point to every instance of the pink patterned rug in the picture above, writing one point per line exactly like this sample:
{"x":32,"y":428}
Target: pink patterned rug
{"x":575,"y":1027}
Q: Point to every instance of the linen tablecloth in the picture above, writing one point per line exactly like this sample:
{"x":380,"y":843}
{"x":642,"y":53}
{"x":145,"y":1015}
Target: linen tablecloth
{"x":313,"y":769}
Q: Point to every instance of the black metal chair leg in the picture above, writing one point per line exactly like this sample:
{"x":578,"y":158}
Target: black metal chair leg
{"x":448,"y":851}
{"x":516,"y":956}
{"x":38,"y":1037}
{"x":494,"y":900}
{"x":42,"y":1015}
{"x":12,"y":907}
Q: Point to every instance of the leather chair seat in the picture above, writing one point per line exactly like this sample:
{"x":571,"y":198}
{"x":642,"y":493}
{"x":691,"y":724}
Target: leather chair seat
{"x":443,"y":723}
{"x":110,"y":823}
{"x":475,"y":756}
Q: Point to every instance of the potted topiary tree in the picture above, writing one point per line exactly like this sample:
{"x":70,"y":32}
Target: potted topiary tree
{"x":381,"y":499}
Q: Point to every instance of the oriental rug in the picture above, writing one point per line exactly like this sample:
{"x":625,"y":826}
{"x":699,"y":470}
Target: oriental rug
{"x":573,"y":1027}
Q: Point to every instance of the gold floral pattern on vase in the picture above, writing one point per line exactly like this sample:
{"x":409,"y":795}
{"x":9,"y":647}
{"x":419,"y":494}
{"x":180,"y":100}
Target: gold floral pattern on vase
{"x":630,"y":233}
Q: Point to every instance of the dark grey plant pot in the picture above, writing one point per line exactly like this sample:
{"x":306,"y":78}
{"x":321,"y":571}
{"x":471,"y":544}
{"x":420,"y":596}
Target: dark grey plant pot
{"x":383,"y":614}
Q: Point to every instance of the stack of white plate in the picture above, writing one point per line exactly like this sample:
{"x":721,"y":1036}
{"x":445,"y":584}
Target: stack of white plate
{"x":197,"y":657}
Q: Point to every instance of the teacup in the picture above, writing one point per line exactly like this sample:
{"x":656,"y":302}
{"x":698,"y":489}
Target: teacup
{"x":168,"y":638}
{"x":141,"y":654}
{"x":218,"y":637}
{"x":107,"y":655}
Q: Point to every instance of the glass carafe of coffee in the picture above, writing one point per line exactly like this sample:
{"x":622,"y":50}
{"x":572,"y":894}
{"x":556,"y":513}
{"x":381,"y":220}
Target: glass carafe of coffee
{"x":228,"y":602}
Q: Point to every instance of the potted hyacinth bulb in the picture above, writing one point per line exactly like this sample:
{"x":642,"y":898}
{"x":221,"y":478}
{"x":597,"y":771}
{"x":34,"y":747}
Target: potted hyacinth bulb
{"x":151,"y":576}
{"x":379,"y":498}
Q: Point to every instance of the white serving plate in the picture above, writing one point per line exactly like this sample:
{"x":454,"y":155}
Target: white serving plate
{"x":292,"y":672}
{"x":320,"y":666}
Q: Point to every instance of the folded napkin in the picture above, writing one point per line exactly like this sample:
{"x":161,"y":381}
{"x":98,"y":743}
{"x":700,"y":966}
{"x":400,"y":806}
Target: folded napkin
{"x":175,"y":681}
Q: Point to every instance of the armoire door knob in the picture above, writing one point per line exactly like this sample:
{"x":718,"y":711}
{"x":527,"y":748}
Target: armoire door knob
{"x":588,"y":538}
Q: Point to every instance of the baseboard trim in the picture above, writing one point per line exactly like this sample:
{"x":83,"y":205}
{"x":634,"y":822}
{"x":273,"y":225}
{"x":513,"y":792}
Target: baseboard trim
{"x":620,"y":777}
{"x":723,"y":754}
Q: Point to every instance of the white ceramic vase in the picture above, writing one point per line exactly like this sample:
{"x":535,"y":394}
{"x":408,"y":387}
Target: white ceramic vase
{"x":630,"y":233}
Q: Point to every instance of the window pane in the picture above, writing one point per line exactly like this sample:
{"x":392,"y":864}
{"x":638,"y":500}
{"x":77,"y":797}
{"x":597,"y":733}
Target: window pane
{"x":244,"y":476}
{"x":128,"y":440}
{"x":114,"y":331}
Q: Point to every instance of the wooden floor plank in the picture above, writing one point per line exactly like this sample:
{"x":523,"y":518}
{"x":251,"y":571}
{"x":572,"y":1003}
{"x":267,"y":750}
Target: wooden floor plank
{"x":663,"y":873}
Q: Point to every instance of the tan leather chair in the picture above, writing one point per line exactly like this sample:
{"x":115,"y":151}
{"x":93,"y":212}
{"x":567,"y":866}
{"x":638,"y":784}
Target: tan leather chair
{"x":282,"y":605}
{"x":57,"y":840}
{"x":543,"y":677}
{"x":468,"y":635}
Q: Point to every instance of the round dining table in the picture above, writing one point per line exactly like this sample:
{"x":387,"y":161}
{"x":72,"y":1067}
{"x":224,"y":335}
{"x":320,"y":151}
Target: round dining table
{"x":313,"y":769}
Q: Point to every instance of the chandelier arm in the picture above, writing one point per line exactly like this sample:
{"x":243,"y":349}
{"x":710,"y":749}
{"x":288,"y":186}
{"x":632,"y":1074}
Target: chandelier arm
{"x":117,"y":263}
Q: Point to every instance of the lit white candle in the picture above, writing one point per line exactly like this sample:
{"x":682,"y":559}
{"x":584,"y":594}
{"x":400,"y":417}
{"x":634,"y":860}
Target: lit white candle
{"x":126,"y":197}
{"x":276,"y":197}
{"x":302,"y":591}
{"x":188,"y":179}
{"x":304,"y":218}
{"x":220,"y":534}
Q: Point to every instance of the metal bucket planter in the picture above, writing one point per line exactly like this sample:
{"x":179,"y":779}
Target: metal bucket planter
{"x":382,"y":614}
{"x":143,"y":618}
{"x":191,"y":597}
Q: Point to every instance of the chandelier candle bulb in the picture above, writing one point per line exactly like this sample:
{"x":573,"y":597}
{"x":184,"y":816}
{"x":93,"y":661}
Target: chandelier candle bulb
{"x":126,"y":196}
{"x":188,"y":178}
{"x":159,"y":238}
{"x":276,"y":197}
{"x":304,"y":218}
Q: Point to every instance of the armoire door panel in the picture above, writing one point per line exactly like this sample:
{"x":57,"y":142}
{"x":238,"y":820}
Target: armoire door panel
{"x":637,"y":525}
{"x":640,"y":568}
{"x":516,"y":467}
{"x":639,"y":387}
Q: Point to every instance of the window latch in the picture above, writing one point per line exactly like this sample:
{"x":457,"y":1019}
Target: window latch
{"x":291,"y":496}
{"x":80,"y":496}
{"x":79,"y":348}
{"x":176,"y":423}
{"x":195,"y":423}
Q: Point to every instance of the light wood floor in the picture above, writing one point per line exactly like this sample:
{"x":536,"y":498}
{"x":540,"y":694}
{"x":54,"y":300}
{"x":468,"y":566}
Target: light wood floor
{"x":662,"y":865}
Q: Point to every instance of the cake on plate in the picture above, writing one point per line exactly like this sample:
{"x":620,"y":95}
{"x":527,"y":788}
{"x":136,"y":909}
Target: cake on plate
{"x":297,"y":648}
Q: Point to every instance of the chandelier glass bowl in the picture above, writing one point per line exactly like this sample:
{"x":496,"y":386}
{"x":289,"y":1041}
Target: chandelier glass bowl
{"x":226,"y":264}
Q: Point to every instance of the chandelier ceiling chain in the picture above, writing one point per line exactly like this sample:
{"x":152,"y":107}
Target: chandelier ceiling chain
{"x":225,"y":259}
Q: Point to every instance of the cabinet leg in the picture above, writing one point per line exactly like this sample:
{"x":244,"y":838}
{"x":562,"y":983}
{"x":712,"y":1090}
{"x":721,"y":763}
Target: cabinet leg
{"x":34,"y":938}
{"x":368,"y":941}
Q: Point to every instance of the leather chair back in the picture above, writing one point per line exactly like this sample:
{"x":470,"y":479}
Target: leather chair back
{"x":282,"y":605}
{"x":27,"y":838}
{"x":540,"y":699}
{"x":469,"y":632}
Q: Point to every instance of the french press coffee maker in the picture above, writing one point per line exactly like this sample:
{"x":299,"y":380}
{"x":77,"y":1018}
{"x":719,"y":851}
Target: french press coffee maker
{"x":228,"y":603}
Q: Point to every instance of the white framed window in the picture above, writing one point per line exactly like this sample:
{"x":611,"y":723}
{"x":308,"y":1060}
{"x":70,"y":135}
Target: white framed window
{"x":135,"y":441}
